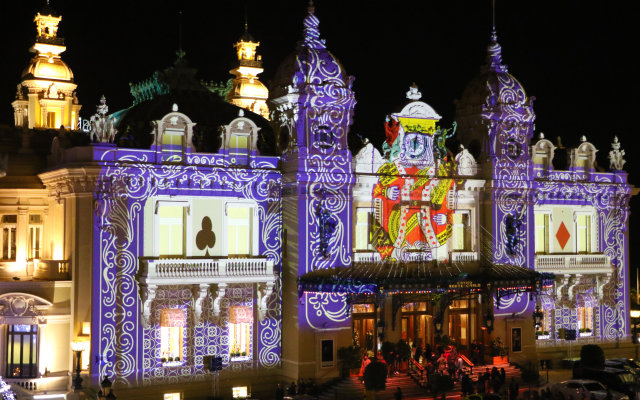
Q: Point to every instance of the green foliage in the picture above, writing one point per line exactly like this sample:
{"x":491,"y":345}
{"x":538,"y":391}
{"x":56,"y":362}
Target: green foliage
{"x":441,"y":383}
{"x":592,"y":356}
{"x":351,"y":357}
{"x":375,"y":376}
{"x":497,"y":348}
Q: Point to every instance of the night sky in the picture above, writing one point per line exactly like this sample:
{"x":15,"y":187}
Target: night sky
{"x":576,"y":57}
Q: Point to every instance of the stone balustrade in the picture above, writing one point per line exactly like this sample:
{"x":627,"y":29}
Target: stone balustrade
{"x":573,"y":263}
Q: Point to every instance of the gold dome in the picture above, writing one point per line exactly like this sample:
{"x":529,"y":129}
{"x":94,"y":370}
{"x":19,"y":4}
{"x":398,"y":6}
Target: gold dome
{"x":248,"y":87}
{"x":42,"y":67}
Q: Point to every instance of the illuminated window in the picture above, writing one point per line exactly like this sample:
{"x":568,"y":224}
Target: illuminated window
{"x":364,"y":217}
{"x":51,"y":120}
{"x":583,"y":233}
{"x":171,"y":221}
{"x":35,"y":235}
{"x":172,"y":146}
{"x":362,"y":308}
{"x":239,"y":229}
{"x":459,"y":304}
{"x":585,"y":318}
{"x":22,"y":351}
{"x":239,"y":147}
{"x":461,"y":235}
{"x":172,"y":322}
{"x":542,"y":232}
{"x":415,"y":306}
{"x":173,"y":396}
{"x":8,"y":225}
{"x":240,"y":331}
{"x":240,"y":392}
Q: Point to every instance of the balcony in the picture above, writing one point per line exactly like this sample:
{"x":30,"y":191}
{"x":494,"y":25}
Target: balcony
{"x":51,"y":270}
{"x":573,"y":263}
{"x":176,"y":271}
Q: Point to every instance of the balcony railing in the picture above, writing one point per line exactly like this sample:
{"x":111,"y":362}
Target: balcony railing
{"x":366,"y":256}
{"x":206,"y":270}
{"x":572,"y":263}
{"x":51,"y":270}
{"x":463,"y":256}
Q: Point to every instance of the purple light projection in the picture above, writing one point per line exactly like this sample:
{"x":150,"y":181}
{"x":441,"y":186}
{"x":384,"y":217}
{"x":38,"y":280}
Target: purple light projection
{"x":519,"y":186}
{"x":122,"y":348}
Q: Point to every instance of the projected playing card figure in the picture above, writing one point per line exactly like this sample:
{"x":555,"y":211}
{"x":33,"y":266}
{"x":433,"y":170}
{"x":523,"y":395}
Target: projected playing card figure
{"x":206,"y":239}
{"x":410,"y":201}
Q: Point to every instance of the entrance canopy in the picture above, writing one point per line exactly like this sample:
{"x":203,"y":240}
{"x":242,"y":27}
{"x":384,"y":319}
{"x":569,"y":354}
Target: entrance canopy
{"x":424,"y":277}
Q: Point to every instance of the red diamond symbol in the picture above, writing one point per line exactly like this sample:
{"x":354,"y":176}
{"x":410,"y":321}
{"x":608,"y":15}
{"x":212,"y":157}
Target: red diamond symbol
{"x":562,"y":235}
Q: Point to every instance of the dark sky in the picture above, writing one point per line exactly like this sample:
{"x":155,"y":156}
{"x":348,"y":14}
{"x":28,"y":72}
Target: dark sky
{"x":576,"y":57}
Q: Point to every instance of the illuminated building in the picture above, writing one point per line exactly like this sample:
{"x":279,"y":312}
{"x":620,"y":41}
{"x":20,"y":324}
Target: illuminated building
{"x":46,"y":96}
{"x":247,"y":91}
{"x":195,"y":236}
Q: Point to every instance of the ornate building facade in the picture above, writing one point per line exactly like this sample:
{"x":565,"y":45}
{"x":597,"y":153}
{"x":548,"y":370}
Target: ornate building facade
{"x":186,"y":228}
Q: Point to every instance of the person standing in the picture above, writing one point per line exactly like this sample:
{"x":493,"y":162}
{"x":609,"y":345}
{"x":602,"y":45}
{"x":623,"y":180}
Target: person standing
{"x":398,"y":394}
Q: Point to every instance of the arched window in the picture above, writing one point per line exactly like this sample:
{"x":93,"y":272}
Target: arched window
{"x":239,"y":147}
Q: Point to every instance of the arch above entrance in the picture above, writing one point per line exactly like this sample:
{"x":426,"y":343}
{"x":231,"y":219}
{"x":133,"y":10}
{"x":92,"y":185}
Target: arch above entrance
{"x":23,"y":308}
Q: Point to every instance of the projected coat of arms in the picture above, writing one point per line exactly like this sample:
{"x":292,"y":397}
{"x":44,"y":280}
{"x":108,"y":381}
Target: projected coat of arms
{"x":412,"y":210}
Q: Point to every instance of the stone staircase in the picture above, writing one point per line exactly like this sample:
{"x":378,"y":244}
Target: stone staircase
{"x":353,"y":389}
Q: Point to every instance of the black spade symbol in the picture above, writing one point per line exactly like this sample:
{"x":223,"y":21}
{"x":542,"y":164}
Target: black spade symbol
{"x":206,"y":238}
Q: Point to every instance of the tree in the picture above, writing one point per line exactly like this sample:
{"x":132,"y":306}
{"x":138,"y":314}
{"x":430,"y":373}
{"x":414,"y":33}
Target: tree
{"x":375,"y":377}
{"x":592,"y":356}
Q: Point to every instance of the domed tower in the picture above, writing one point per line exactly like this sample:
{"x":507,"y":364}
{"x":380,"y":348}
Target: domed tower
{"x":247,"y":91}
{"x":46,"y":96}
{"x":495,"y":120}
{"x":313,"y":110}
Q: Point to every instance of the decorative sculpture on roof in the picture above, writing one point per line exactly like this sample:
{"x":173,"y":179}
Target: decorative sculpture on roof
{"x":616,"y":156}
{"x":466,"y":163}
{"x":102,"y":129}
{"x":411,"y":202}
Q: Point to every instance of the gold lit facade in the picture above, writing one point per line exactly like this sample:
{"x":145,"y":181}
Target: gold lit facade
{"x":247,"y":91}
{"x":46,"y":97}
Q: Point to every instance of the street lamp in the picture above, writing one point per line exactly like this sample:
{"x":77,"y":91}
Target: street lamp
{"x":78,"y":348}
{"x":488,"y":321}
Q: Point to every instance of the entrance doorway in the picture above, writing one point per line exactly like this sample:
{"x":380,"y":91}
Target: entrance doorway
{"x":462,"y":321}
{"x":363,"y":317}
{"x":417,"y":324}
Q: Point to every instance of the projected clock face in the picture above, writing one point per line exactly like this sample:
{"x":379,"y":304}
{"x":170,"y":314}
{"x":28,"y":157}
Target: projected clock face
{"x":414,"y":145}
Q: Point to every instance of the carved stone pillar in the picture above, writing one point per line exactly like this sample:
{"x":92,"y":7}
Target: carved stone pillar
{"x":199,"y":294}
{"x":264,"y":291}
{"x":149,"y":294}
{"x":217,"y":297}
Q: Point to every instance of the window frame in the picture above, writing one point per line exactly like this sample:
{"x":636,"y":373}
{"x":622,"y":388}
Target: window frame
{"x":182,"y":336}
{"x":11,"y":245}
{"x":370,"y":215}
{"x":467,"y":236}
{"x":254,"y":226}
{"x":549,"y":243}
{"x":187,"y":226}
{"x":232,"y":332}
{"x":11,"y":336}
{"x":591,"y":231}
{"x":30,"y":237}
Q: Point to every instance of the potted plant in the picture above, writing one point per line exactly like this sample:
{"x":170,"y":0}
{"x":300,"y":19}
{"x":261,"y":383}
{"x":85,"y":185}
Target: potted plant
{"x":498,"y":351}
{"x":585,"y":332}
{"x":375,"y":378}
{"x":351,"y":359}
{"x":404,"y":352}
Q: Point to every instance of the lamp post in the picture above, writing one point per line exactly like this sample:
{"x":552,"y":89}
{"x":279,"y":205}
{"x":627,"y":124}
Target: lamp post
{"x":488,"y":321}
{"x":78,"y":348}
{"x":438,"y":326}
{"x":635,"y":318}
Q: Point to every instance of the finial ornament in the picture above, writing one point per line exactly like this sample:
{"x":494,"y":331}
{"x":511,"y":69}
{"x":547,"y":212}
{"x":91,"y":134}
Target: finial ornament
{"x":616,"y":156}
{"x":414,"y":93}
{"x":174,"y":107}
{"x":102,"y":129}
{"x":540,"y":135}
{"x":311,"y":8}
{"x":583,"y":138}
